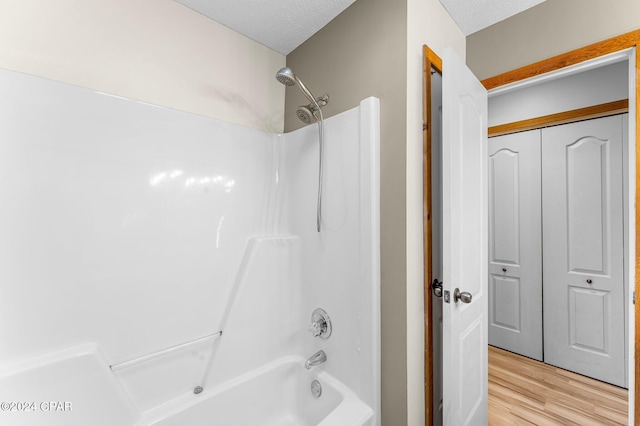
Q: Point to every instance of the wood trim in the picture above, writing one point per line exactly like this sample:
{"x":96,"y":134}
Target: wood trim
{"x":615,"y":44}
{"x":595,"y":111}
{"x":430,"y":60}
{"x":426,"y":211}
{"x":636,"y":403}
{"x":433,"y":58}
{"x":573,"y":57}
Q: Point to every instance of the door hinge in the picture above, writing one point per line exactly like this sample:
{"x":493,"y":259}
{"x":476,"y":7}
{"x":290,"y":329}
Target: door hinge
{"x":634,"y":297}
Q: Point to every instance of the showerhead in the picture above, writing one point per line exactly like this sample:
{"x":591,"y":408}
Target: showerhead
{"x":305,"y":114}
{"x":286,"y":76}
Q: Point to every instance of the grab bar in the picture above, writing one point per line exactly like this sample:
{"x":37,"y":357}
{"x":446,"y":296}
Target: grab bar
{"x":162,"y":352}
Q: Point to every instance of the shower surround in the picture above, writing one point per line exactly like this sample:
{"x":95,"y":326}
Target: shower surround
{"x":147,"y":252}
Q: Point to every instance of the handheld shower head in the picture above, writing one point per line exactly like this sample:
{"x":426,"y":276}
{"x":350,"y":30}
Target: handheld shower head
{"x":286,"y":76}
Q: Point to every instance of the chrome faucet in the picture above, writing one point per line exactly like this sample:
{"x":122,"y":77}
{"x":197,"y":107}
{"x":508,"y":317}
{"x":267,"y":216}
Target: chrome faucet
{"x":315,"y":359}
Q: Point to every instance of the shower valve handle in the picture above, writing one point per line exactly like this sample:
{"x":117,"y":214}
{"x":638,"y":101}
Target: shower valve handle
{"x":320,"y":324}
{"x":315,"y":329}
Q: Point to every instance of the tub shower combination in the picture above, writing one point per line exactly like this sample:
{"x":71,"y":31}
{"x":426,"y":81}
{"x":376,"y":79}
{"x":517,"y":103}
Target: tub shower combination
{"x":163,"y":268}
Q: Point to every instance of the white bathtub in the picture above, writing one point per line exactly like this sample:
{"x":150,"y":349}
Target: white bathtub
{"x":277,"y":394}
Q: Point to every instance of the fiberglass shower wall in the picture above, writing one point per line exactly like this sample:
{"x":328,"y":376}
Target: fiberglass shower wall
{"x":129,"y":228}
{"x":123,"y":224}
{"x":341,"y":266}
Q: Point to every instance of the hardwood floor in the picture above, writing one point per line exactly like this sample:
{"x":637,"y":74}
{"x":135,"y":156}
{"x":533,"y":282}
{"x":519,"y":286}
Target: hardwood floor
{"x":523,"y":391}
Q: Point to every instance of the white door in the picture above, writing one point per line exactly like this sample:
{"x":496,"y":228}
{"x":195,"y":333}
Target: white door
{"x":464,"y":201}
{"x":584,"y":306}
{"x":515,"y":244}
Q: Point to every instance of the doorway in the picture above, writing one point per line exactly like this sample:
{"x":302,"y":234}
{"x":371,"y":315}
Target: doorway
{"x":573,"y":62}
{"x":557,"y":224}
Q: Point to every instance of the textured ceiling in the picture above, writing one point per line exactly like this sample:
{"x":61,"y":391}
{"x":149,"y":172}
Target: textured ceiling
{"x":474,"y":15}
{"x":281,"y":25}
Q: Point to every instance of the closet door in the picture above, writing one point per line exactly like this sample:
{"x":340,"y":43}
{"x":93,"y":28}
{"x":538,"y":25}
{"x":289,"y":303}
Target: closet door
{"x":583,"y":248}
{"x":515,"y":244}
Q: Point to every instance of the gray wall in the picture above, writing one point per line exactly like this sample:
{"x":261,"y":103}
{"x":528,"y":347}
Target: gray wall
{"x":362,"y":53}
{"x":548,"y":29}
{"x":593,"y":87}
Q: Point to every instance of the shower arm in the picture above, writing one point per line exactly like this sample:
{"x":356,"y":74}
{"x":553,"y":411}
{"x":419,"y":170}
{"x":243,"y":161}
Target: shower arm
{"x":308,"y":94}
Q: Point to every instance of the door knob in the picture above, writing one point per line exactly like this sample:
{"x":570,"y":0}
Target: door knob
{"x":464,"y":297}
{"x":437,"y":288}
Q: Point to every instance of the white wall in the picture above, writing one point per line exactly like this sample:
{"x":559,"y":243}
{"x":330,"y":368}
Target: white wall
{"x":428,"y":23}
{"x":605,"y":84}
{"x":156,"y":51}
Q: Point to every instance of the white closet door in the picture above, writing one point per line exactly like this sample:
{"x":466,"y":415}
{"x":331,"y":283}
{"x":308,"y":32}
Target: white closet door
{"x":515,"y":244}
{"x":583,"y":248}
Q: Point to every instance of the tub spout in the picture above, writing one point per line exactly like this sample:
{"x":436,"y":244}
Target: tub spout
{"x":315,"y":359}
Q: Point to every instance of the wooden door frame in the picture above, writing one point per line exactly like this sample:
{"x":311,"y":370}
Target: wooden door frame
{"x":431,"y":60}
{"x":612,"y":45}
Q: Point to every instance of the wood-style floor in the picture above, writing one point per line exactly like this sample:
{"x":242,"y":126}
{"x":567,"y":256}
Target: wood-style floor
{"x":527,"y":392}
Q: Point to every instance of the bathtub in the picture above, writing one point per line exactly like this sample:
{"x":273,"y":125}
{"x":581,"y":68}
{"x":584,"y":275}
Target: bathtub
{"x":86,"y":392}
{"x":277,"y":394}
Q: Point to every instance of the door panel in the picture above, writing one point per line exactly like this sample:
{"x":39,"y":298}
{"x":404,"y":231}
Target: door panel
{"x":588,"y":319}
{"x":584,"y":307}
{"x":586,"y":209}
{"x":465,"y":259}
{"x":515,"y":244}
{"x":505,"y":297}
{"x":505,"y":205}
